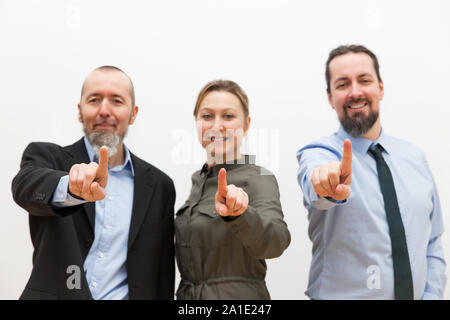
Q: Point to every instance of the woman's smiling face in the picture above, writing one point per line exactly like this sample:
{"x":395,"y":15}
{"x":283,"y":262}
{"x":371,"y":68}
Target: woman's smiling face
{"x":221,"y":125}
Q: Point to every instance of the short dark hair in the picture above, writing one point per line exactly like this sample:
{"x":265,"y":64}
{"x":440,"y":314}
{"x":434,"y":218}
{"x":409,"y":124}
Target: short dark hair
{"x":113,"y":68}
{"x":344,"y":49}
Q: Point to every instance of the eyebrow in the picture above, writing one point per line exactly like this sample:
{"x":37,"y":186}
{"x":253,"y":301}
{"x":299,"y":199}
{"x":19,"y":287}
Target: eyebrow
{"x":206,"y":108}
{"x":340,"y":79}
{"x":118,"y":96}
{"x":98,"y":94}
{"x":91,"y":95}
{"x":365,"y":75}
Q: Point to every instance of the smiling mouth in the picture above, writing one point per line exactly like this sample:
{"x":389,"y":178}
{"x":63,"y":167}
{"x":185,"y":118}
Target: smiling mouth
{"x":214,"y":139}
{"x":358,"y":106}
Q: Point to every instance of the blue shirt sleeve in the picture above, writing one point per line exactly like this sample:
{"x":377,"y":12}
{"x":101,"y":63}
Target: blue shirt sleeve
{"x":309,"y":158}
{"x":61,"y":196}
{"x":436,"y":277}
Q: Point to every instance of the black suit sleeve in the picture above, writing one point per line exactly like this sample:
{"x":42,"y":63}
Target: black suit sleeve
{"x":166,"y":285}
{"x":39,"y":175}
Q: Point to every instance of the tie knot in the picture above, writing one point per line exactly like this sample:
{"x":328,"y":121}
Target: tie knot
{"x":376,"y":151}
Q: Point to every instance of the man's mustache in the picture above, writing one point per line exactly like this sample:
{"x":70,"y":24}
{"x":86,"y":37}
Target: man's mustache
{"x":107,"y":121}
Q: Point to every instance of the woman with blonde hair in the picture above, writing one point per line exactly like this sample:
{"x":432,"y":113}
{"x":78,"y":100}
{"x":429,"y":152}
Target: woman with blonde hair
{"x":232,"y":219}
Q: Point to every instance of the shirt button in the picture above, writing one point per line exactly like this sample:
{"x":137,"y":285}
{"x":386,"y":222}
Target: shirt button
{"x":108,"y":226}
{"x":94,"y":284}
{"x":110,"y":198}
{"x":101,"y":255}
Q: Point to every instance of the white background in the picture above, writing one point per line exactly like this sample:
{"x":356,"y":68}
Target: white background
{"x":276,"y":50}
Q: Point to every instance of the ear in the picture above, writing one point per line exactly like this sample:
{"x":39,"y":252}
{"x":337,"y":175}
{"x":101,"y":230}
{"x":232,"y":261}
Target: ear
{"x":133,"y":114}
{"x":381,"y":84}
{"x":80,"y":117}
{"x":329,"y":100}
{"x":247,"y":125}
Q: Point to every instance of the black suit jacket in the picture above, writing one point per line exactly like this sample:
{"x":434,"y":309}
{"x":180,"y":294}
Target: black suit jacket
{"x":62,"y":237}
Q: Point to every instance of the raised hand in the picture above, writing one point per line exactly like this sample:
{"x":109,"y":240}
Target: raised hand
{"x":230,"y":200}
{"x":334,"y":179}
{"x":88,"y":181}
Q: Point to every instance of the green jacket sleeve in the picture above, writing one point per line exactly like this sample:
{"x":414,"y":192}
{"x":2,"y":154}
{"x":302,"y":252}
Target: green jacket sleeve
{"x":261,"y":227}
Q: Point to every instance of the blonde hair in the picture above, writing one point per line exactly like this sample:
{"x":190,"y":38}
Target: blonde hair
{"x":223,"y":85}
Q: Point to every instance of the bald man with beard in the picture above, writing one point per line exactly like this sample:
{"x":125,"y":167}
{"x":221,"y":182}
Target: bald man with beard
{"x":101,"y":219}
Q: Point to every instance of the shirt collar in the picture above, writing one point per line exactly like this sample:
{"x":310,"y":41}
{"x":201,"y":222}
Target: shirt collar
{"x":361,"y":144}
{"x":126,"y":165}
{"x":214,"y":171}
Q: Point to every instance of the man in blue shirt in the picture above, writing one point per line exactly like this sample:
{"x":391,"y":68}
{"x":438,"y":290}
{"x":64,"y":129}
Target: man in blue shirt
{"x":375,"y":219}
{"x":101,"y":219}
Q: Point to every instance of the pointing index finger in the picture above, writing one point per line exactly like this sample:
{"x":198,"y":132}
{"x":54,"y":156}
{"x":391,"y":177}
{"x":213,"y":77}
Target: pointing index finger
{"x":346,"y":162}
{"x":222,"y":182}
{"x":102,"y":170}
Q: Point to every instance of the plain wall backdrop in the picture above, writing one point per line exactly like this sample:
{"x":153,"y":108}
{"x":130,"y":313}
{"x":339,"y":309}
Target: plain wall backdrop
{"x":276,"y":50}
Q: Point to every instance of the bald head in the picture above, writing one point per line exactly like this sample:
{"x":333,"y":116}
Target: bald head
{"x":121,"y":78}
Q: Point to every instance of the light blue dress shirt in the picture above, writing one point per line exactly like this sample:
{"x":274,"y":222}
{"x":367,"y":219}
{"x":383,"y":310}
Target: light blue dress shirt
{"x":105,"y":264}
{"x":351,"y":255}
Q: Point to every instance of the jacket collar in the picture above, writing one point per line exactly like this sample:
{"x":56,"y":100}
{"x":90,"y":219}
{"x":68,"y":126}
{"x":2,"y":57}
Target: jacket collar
{"x":214,"y":171}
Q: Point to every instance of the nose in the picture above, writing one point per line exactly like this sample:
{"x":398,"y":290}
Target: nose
{"x":218,"y":124}
{"x":105,"y":108}
{"x":355,"y":91}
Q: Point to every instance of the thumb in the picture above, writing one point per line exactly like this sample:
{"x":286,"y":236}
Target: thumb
{"x":342,"y":192}
{"x":221,"y":209}
{"x":97,"y":191}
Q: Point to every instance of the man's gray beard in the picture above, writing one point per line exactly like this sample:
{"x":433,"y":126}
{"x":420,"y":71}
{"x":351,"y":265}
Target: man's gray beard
{"x":104,"y":138}
{"x":359,"y":124}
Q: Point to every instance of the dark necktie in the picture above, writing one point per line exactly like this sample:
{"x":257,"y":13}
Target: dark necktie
{"x":403,"y":284}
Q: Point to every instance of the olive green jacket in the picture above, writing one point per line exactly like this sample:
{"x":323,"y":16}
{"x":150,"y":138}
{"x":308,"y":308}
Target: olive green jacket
{"x":221,"y":257}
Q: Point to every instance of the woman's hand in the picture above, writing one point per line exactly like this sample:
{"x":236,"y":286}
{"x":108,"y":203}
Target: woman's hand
{"x":230,"y":200}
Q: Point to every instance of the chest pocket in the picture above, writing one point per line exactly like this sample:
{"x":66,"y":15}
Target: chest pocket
{"x":208,"y":210}
{"x":208,"y":228}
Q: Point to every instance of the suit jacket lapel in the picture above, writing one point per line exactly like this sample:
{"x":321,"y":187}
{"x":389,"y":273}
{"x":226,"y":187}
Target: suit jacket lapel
{"x":78,"y":154}
{"x":143,"y":188}
{"x":143,"y":194}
